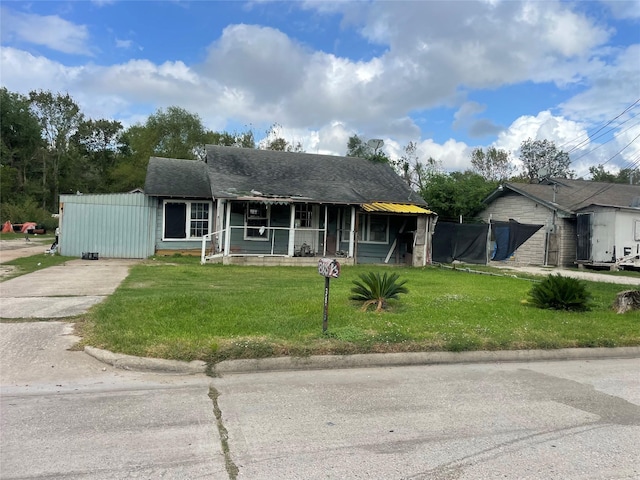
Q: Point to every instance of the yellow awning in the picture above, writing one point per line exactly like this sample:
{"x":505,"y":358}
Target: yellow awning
{"x":394,"y":208}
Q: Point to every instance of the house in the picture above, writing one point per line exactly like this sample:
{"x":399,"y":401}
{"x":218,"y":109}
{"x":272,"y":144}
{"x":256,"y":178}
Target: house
{"x":267,"y":207}
{"x":585,"y":222}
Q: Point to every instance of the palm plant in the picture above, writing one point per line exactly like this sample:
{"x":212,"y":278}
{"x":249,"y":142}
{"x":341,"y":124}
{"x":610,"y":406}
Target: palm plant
{"x":376,"y":289}
{"x":560,"y":293}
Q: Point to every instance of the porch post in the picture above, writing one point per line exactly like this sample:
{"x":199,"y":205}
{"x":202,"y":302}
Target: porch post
{"x":219,"y":223}
{"x":227,"y":238}
{"x":352,"y":231}
{"x":326,"y":227}
{"x":292,"y":230}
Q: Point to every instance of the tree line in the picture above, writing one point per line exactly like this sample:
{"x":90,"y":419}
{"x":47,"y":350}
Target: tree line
{"x":50,"y":147}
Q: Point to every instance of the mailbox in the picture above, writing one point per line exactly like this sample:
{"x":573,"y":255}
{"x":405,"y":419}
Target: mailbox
{"x":328,"y":268}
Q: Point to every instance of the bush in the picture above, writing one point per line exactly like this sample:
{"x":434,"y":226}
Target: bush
{"x":374,"y":289}
{"x":560,"y":293}
{"x":27,"y":211}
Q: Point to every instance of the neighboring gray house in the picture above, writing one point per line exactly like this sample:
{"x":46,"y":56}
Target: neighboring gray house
{"x":580,"y":218}
{"x":267,"y":207}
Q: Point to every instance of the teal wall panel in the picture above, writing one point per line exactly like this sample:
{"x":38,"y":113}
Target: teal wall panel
{"x":113,"y":225}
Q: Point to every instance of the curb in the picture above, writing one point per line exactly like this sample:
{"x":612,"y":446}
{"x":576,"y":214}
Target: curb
{"x":130,"y":362}
{"x":320,"y":362}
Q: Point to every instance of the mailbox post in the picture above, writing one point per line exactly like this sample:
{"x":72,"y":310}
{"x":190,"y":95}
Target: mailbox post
{"x":329,"y":269}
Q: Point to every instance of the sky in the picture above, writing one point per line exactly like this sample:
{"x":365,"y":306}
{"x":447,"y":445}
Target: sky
{"x":450,"y":76}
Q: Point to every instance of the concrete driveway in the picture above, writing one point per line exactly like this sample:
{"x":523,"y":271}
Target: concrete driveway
{"x":62,"y":291}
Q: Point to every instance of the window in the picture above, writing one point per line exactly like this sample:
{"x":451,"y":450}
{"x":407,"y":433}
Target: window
{"x":184,"y":220}
{"x":256,"y":223}
{"x":303,"y":215}
{"x":373,"y":228}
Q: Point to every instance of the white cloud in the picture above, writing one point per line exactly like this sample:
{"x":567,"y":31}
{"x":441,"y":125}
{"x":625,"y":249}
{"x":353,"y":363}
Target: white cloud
{"x":435,"y":54}
{"x":453,"y":155}
{"x":611,"y":89}
{"x":125,"y":44}
{"x":50,"y":31}
{"x":624,"y":8}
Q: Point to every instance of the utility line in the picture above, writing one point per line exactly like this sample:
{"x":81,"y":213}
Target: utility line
{"x":602,"y":144}
{"x":600,"y":129}
{"x":622,"y":150}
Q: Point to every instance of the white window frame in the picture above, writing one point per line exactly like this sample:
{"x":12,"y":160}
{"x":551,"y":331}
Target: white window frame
{"x":267,"y":224}
{"x":188,"y":219}
{"x":364,"y":228}
{"x":304,"y":215}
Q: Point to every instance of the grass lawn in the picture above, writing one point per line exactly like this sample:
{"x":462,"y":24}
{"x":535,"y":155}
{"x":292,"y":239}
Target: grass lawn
{"x":24,"y":265}
{"x":176,"y":308}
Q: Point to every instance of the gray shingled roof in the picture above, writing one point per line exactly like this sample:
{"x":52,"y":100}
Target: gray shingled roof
{"x":573,"y":195}
{"x":170,"y":177}
{"x":242,"y":172}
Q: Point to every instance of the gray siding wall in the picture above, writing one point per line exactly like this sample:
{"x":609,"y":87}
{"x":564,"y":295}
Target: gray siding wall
{"x":174,"y":244}
{"x":112,"y":225}
{"x":525,"y":210}
{"x":377,"y":252}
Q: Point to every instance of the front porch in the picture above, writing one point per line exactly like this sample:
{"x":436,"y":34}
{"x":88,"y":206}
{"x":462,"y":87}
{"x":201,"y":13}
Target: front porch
{"x":254,"y":232}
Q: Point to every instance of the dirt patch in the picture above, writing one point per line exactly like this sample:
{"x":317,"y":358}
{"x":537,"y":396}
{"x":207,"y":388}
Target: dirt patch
{"x":7,"y":270}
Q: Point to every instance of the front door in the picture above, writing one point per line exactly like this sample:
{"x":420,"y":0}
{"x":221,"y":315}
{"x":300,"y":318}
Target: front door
{"x":583,"y":229}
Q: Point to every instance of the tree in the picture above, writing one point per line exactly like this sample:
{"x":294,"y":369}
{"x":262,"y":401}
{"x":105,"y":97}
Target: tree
{"x":177,"y":133}
{"x":174,"y":133}
{"x":226,"y":139}
{"x":97,"y":144}
{"x":275,"y":141}
{"x":412,"y":170}
{"x":625,"y":175}
{"x":59,"y":116}
{"x":20,"y":141}
{"x":371,"y":149}
{"x":454,"y":194}
{"x":493,"y":165}
{"x":542,"y":158}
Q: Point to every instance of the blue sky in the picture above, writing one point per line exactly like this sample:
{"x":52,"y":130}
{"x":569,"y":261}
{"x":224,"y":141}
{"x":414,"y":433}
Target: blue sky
{"x":448,"y":75}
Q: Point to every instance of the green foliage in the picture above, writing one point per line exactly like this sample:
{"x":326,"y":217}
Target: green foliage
{"x":275,"y":141}
{"x":20,"y":142}
{"x":34,"y":263}
{"x":371,"y":149}
{"x":176,"y":133}
{"x":27,"y":210}
{"x":560,"y":293}
{"x":376,"y":289}
{"x":60,"y":117}
{"x":226,"y":139}
{"x":173,"y":307}
{"x":625,"y":175}
{"x":494,"y":164}
{"x":542,"y":156}
{"x":453,"y":194}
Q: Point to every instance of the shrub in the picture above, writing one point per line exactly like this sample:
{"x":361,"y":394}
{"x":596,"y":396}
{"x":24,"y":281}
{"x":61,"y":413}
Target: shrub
{"x":560,"y":293}
{"x":376,"y":289}
{"x":27,"y":211}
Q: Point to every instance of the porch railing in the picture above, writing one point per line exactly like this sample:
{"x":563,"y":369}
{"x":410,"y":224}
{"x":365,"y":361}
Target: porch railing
{"x":307,"y":242}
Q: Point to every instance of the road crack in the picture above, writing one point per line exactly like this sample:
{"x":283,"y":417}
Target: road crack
{"x":231,"y":467}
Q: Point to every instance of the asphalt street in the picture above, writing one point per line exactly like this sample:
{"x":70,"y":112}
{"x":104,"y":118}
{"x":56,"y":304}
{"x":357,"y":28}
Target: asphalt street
{"x":542,"y":420}
{"x":65,"y":415}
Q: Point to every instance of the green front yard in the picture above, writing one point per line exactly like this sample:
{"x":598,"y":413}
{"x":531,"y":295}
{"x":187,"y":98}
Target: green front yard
{"x":176,"y":308}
